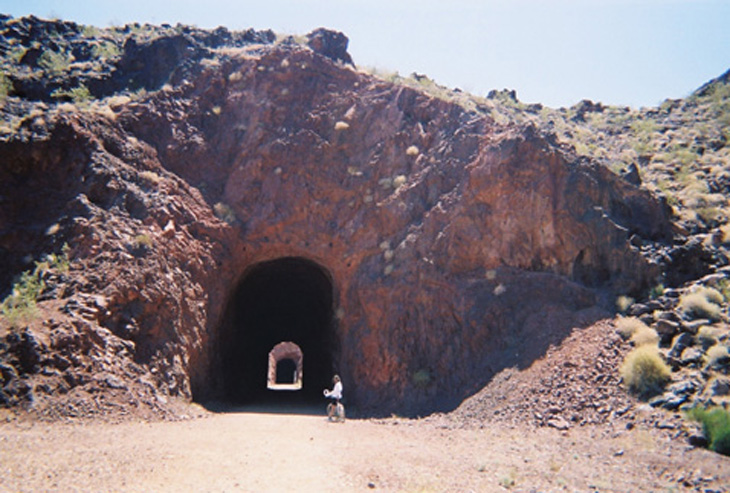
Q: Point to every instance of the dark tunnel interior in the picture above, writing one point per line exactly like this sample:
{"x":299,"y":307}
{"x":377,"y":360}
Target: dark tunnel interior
{"x":287,"y":299}
{"x":286,"y":371}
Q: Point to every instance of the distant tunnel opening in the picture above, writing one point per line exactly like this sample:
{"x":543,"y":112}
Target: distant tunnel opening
{"x":286,"y":372}
{"x":284,"y":300}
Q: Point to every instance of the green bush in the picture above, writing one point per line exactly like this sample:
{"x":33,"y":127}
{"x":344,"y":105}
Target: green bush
{"x":105,"y":49}
{"x":422,"y":378}
{"x":54,"y":62}
{"x":6,"y":86}
{"x":656,"y":291}
{"x":715,"y":425}
{"x":77,"y":94}
{"x":644,"y":372}
{"x":20,"y":306}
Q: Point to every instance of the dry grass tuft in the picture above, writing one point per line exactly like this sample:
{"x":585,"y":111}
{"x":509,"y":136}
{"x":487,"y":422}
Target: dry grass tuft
{"x":644,"y":371}
{"x":628,"y":326}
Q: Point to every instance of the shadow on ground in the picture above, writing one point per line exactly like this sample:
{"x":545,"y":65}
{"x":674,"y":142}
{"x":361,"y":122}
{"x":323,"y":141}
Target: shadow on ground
{"x":275,"y":403}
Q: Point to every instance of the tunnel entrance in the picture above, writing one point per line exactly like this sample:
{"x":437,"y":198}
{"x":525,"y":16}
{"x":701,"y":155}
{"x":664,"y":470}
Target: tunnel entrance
{"x":279,"y":329}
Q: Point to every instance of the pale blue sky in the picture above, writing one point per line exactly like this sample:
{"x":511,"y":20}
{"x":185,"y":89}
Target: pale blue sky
{"x":557,"y":52}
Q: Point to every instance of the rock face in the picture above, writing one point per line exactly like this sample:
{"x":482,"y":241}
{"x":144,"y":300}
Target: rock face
{"x":274,"y":195}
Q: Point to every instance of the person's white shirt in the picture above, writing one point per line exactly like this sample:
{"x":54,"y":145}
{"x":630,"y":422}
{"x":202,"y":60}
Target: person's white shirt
{"x":336,"y":392}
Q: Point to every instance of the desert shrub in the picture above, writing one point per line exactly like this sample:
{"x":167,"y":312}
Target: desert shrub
{"x":142,"y":241}
{"x":715,"y":425}
{"x":723,"y":286}
{"x":712,"y":295}
{"x":709,"y":215}
{"x":707,"y":335}
{"x":642,"y":126}
{"x":623,"y":303}
{"x":77,"y":94}
{"x":58,"y":262}
{"x":151,"y":176}
{"x":656,"y":291}
{"x":627,"y":326}
{"x":645,"y":335}
{"x":422,"y":378}
{"x":6,"y":86}
{"x":53,"y":61}
{"x":644,"y":372}
{"x":716,"y":354}
{"x":702,"y":303}
{"x":224,"y":212}
{"x":20,"y":305}
{"x":105,"y":49}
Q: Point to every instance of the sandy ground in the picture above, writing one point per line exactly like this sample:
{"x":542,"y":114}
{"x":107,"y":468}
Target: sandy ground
{"x":257,"y":452}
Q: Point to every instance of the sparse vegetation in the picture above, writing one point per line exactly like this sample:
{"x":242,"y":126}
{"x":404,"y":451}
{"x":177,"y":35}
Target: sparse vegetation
{"x":20,"y":306}
{"x":656,"y":291}
{"x":422,"y":378}
{"x":644,"y":372}
{"x":5,"y":86}
{"x":77,"y":95}
{"x":143,"y":241}
{"x":150,"y":176}
{"x":717,"y":355}
{"x":105,"y":49}
{"x":623,"y":303}
{"x":702,"y":303}
{"x":627,"y":326}
{"x":715,"y":426}
{"x":54,"y":62}
{"x":224,"y":212}
{"x":645,"y":336}
{"x":707,"y":335}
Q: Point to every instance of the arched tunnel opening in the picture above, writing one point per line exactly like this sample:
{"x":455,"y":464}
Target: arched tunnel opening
{"x":286,"y":300}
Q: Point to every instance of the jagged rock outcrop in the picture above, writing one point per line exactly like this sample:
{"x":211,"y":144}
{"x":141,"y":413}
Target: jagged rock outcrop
{"x":410,"y":245}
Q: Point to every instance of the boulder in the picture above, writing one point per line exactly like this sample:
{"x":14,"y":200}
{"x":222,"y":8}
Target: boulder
{"x":332,"y":44}
{"x":679,"y":344}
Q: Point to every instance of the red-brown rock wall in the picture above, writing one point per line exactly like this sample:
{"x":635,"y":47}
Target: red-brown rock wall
{"x":446,"y":236}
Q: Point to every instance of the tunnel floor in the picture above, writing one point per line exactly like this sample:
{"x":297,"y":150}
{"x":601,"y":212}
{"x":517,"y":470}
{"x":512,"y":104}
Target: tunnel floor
{"x":287,"y":299}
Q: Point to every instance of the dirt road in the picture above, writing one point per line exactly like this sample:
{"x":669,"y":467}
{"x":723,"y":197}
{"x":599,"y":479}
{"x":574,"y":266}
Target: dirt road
{"x":249,"y":451}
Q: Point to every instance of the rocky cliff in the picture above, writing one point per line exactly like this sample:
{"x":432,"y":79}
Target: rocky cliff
{"x":254,"y":192}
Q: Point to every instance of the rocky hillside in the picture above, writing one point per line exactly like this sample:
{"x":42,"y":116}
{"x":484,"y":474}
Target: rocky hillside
{"x":176,"y":201}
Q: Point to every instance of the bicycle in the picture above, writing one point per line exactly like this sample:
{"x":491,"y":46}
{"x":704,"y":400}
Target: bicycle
{"x":335,"y":410}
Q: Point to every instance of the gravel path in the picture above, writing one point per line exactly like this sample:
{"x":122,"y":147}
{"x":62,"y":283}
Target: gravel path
{"x":289,"y":452}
